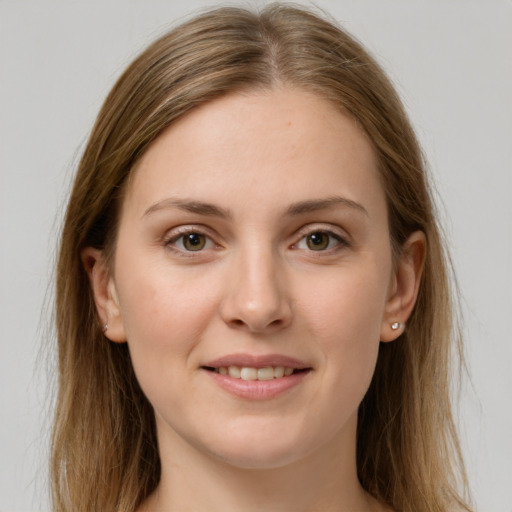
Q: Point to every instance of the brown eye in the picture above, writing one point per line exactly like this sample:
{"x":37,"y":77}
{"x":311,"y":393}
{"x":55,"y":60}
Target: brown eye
{"x":194,"y":241}
{"x":188,"y":242}
{"x":318,"y":241}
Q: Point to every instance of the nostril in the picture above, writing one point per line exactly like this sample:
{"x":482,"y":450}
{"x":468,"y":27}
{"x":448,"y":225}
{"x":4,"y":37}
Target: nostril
{"x":240,"y":323}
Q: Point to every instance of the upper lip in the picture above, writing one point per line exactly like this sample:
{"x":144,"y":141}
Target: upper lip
{"x":260,"y":361}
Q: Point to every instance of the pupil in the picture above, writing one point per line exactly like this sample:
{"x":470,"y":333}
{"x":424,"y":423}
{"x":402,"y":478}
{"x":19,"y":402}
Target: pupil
{"x":318,"y":241}
{"x":194,"y":241}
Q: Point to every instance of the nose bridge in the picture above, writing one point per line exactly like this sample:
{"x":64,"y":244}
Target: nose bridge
{"x":258,"y":297}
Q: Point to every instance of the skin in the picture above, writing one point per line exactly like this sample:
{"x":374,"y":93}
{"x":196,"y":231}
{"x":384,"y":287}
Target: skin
{"x":258,"y":286}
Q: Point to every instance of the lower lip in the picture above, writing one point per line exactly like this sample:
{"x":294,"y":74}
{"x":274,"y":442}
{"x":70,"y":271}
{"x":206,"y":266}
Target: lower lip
{"x":257,"y":389}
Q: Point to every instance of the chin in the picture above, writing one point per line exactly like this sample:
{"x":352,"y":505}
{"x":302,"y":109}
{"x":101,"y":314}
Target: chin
{"x":259,"y":448}
{"x":257,"y":457}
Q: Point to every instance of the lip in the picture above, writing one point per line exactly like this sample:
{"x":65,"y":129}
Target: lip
{"x":257,"y":389}
{"x":253,"y":361}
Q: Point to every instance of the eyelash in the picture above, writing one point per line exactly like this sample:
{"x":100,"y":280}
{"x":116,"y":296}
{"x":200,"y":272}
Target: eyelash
{"x":171,"y":241}
{"x":340,"y":241}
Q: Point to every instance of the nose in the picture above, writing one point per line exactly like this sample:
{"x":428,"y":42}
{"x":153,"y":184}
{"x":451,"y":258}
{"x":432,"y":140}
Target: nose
{"x":257,"y":299}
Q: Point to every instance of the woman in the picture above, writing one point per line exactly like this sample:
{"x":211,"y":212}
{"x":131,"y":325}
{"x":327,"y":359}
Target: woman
{"x":253,"y":306}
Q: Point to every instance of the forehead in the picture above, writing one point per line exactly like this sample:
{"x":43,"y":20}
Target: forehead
{"x":255,"y":146}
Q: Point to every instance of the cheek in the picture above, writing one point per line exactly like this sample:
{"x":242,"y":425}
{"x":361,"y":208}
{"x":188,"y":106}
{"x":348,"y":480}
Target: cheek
{"x":164,"y":313}
{"x":347,"y":307}
{"x":345,"y":317}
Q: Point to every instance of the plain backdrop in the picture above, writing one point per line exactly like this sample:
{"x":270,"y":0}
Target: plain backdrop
{"x":451,"y":62}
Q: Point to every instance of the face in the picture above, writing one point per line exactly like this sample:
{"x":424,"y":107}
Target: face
{"x":253,"y":278}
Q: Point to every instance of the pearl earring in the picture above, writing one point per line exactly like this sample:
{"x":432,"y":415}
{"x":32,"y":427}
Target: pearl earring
{"x":105,"y":328}
{"x":395,"y":326}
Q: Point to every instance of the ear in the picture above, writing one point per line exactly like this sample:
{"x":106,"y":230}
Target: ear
{"x":404,"y":286}
{"x":105,"y":294}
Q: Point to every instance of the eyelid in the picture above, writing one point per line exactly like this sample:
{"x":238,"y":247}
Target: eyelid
{"x":175,"y":234}
{"x":338,"y":234}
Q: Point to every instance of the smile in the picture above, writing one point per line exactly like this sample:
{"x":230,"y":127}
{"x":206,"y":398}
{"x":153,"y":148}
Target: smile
{"x":251,"y":373}
{"x":258,"y":378}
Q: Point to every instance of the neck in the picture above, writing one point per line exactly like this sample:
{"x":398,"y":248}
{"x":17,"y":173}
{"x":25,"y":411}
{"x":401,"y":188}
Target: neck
{"x":324,"y":481}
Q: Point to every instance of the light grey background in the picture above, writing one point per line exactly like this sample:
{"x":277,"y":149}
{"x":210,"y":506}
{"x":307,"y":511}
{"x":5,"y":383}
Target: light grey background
{"x":452,"y":63}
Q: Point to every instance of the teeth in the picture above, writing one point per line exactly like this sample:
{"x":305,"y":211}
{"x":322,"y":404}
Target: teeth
{"x":265,"y":373}
{"x":248,"y":373}
{"x":234,"y":372}
{"x":278,"y":372}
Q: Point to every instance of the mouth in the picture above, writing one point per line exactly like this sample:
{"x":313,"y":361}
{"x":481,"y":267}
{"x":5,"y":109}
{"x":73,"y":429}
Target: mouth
{"x":253,"y":373}
{"x":257,"y":377}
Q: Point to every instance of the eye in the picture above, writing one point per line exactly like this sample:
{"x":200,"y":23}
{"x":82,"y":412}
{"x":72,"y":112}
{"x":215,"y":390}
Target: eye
{"x":191,"y":242}
{"x":319,"y":241}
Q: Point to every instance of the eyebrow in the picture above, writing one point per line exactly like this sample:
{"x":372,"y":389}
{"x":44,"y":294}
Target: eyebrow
{"x":315,"y":205}
{"x":208,"y":209}
{"x":189,"y":205}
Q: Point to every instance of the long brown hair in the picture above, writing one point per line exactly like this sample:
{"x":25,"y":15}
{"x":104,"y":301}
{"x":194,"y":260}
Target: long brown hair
{"x":104,"y":450}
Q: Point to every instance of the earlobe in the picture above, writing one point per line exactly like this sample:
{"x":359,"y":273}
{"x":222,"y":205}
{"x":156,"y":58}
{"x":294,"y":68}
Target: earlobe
{"x":105,"y":294}
{"x":405,"y":286}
